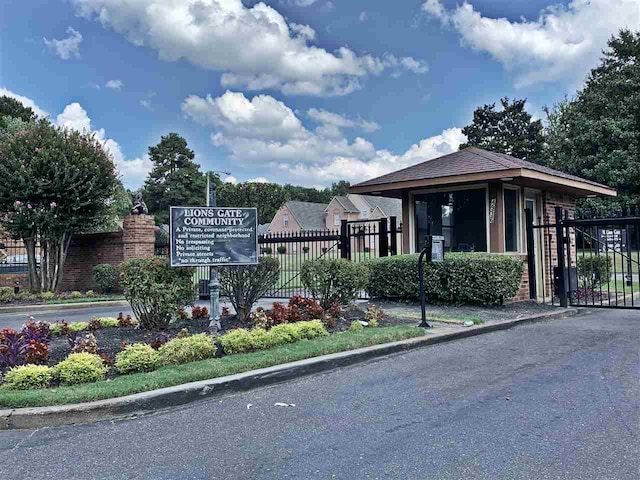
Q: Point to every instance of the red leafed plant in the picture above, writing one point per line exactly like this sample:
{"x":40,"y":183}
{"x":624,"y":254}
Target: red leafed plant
{"x":37,"y":352}
{"x":199,"y":313}
{"x":125,"y":321}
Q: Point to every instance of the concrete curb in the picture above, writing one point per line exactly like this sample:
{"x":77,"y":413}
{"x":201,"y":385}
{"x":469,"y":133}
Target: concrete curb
{"x":57,"y":307}
{"x":145,"y":402}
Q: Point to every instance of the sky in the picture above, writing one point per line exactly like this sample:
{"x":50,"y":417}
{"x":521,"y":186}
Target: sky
{"x":307,"y":92}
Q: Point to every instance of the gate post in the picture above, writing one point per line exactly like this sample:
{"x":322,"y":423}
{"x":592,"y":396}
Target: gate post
{"x":384,"y":238}
{"x":393,"y":227}
{"x":531,"y":255}
{"x":344,"y":239}
{"x":562,"y":272}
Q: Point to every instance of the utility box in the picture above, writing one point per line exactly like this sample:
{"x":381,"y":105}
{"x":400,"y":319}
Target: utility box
{"x":437,"y":248}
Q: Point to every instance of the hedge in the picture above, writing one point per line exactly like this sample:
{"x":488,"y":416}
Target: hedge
{"x":475,"y":278}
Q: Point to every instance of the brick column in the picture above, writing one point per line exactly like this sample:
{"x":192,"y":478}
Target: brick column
{"x":138,"y":237}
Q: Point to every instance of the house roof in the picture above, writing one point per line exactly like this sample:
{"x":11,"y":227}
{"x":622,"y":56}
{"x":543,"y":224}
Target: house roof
{"x":263,"y":228}
{"x":309,"y":215}
{"x":347,"y":204}
{"x":391,"y":207}
{"x":474,"y":164}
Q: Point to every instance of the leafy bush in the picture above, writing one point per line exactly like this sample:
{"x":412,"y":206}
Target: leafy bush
{"x":105,"y":277}
{"x":241,"y":340}
{"x":76,"y":294}
{"x":305,"y":249}
{"x":86,"y":343}
{"x":37,"y":352}
{"x":156,"y":291}
{"x":108,"y":322}
{"x":281,"y":249}
{"x":299,"y":309}
{"x":138,"y":357}
{"x":27,"y":377}
{"x":125,"y":321}
{"x":356,"y":326}
{"x":60,"y":328}
{"x":373,"y":315}
{"x":13,"y":348}
{"x":594,"y":271}
{"x":90,"y":294}
{"x":199,"y":313}
{"x":47,"y":296}
{"x":335,"y":279}
{"x":244,"y":285}
{"x":475,"y":278}
{"x":78,"y":326}
{"x":6,"y":294}
{"x":188,"y":349}
{"x":259,"y":318}
{"x":95,"y":324}
{"x":267,"y":250}
{"x":80,"y":368}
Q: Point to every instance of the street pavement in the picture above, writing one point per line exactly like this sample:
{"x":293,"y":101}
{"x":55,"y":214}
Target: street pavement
{"x":552,"y":400}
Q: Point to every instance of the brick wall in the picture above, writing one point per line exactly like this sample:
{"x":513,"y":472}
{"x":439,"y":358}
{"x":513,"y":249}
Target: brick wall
{"x":9,"y":280}
{"x":135,"y":240}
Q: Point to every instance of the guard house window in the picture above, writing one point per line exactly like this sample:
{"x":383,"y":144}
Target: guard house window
{"x":459,"y":216}
{"x":511,"y":220}
{"x":336,"y":219}
{"x":285,"y":220}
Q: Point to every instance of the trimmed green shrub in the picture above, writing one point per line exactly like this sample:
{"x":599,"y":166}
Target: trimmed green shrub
{"x":241,"y":340}
{"x":237,"y":340}
{"x":310,"y":329}
{"x":474,"y":278}
{"x":187,"y":349}
{"x":244,"y":285}
{"x":27,"y":377}
{"x":156,"y":291}
{"x":105,"y":277}
{"x":594,"y":271}
{"x":80,"y":368}
{"x":47,"y":296}
{"x":356,"y":326}
{"x":76,"y":294}
{"x":6,"y":294}
{"x":281,"y":249}
{"x":78,"y":326}
{"x":138,"y":357}
{"x":108,"y":322}
{"x":333,"y":280}
{"x":90,"y":294}
{"x":305,"y":249}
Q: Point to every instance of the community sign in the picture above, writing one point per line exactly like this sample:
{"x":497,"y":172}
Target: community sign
{"x":210,"y":236}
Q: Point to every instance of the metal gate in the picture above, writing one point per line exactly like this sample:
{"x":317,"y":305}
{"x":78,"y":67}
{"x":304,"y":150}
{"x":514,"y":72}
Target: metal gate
{"x":596,"y":263}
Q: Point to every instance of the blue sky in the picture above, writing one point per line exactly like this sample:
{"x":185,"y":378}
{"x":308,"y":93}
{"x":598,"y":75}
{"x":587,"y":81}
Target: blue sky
{"x":299,"y":91}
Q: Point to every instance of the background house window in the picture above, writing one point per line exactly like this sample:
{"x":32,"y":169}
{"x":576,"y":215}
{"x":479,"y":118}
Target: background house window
{"x":285,"y":220}
{"x":511,"y":220}
{"x":459,"y":216}
{"x":336,"y":219}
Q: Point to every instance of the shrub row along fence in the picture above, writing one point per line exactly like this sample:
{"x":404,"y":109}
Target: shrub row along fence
{"x":357,"y":241}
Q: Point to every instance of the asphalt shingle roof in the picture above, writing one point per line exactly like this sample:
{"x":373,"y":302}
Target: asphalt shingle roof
{"x":309,"y":215}
{"x":392,"y":207}
{"x":347,"y":204}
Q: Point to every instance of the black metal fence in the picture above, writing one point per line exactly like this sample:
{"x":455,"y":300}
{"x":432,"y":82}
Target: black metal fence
{"x":13,"y":256}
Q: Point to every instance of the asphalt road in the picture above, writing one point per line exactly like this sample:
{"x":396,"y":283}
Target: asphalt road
{"x":553,"y":400}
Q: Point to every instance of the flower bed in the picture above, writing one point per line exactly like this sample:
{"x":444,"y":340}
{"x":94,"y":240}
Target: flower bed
{"x":7,"y":297}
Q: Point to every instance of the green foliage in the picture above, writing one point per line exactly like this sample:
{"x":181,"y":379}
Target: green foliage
{"x":594,"y":271}
{"x":6,"y":294}
{"x":156,"y":291}
{"x":356,"y":326}
{"x":240,"y":340}
{"x":80,"y":368}
{"x":509,"y":130}
{"x":78,"y":326}
{"x":47,"y":296}
{"x":596,"y":135}
{"x":281,"y":249}
{"x":175,"y":179}
{"x":26,"y":377}
{"x":333,"y":280}
{"x":108,"y":322}
{"x":187,"y":349}
{"x":56,"y":182}
{"x":374,"y":315}
{"x":105,"y":277}
{"x":90,"y":294}
{"x":475,"y":278}
{"x":76,"y":294}
{"x":10,"y":107}
{"x":138,"y":357}
{"x":244,"y":285}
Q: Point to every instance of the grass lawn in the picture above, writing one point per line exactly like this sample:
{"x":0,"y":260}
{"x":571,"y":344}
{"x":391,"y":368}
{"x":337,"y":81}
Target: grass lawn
{"x":617,"y":260}
{"x":206,"y":369}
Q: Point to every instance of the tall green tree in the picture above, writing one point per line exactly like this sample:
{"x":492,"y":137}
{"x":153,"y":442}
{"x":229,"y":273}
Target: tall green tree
{"x":55,"y":182}
{"x":176,"y":180}
{"x":340,"y":188}
{"x":596,"y":135}
{"x":10,"y":107}
{"x":509,"y":130}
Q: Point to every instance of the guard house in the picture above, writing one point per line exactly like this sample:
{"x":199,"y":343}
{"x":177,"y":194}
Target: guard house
{"x":476,"y":199}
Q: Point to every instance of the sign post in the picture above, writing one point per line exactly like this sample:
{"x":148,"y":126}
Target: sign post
{"x":214,"y":281}
{"x":433,"y":252}
{"x":214,"y":237}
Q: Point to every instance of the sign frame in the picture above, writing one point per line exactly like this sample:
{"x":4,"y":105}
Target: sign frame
{"x":216,"y":264}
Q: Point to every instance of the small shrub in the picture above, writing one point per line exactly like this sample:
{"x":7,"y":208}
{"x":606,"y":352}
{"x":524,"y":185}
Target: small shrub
{"x":47,"y":296}
{"x":199,"y":313}
{"x":594,"y":271}
{"x":259,"y":318}
{"x":6,"y":294}
{"x":36,"y":331}
{"x":78,"y":326}
{"x":156,"y":291}
{"x":138,"y":357}
{"x":61,"y":328}
{"x":284,"y":334}
{"x":86,"y":344}
{"x":159,"y":340}
{"x":105,"y":277}
{"x":80,"y":368}
{"x":125,"y":321}
{"x":13,"y":348}
{"x":236,"y":341}
{"x":225,"y":312}
{"x":189,"y":349}
{"x":356,"y":326}
{"x":26,"y":295}
{"x":183,"y":333}
{"x":37,"y":352}
{"x":90,"y":294}
{"x":281,"y":249}
{"x":95,"y":324}
{"x":27,"y":377}
{"x":244,"y":285}
{"x":373,"y":315}
{"x":108,"y":322}
{"x":182,"y":314}
{"x":267,"y":250}
{"x":241,"y":340}
{"x":76,"y":294}
{"x":311,"y":329}
{"x":331,"y":280}
{"x":305,"y":249}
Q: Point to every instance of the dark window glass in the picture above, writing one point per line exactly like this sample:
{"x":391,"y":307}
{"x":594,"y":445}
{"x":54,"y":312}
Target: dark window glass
{"x":511,"y":220}
{"x":460,"y":217}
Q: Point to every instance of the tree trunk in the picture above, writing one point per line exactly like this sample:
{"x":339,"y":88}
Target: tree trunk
{"x":32,"y":265}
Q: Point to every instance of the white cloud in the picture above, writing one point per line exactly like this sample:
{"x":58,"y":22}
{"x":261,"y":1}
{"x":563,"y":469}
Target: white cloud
{"x":563,"y":43}
{"x":26,"y":101}
{"x":114,"y":84}
{"x":132,"y":171}
{"x":327,"y":118}
{"x":255,"y":47}
{"x":258,"y":180}
{"x":66,"y":48}
{"x":304,"y":3}
{"x":363,"y":16}
{"x":264,"y":131}
{"x":231,"y":179}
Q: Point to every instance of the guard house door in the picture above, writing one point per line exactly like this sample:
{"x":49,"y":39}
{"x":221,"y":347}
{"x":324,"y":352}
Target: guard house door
{"x":531,"y":203}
